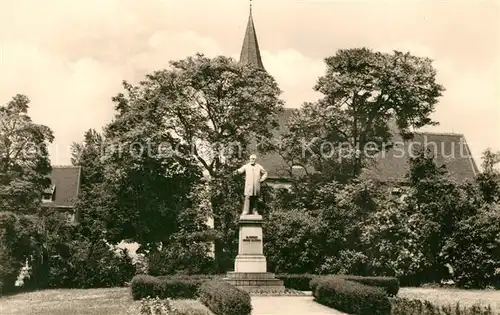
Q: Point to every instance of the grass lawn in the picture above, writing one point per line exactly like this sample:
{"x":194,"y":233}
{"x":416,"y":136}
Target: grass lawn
{"x":451,"y":296}
{"x":71,"y":302}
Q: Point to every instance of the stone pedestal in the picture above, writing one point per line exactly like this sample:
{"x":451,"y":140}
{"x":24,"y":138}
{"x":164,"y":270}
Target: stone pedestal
{"x":250,"y":246}
{"x":250,"y":267}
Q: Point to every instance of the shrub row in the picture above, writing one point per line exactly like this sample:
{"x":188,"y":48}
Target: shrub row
{"x":296,"y":281}
{"x":143,"y":286}
{"x":225,"y":299}
{"x":388,"y":284}
{"x":402,"y":306}
{"x":346,"y":293}
{"x":314,"y":283}
{"x":351,"y":297}
{"x":302,"y":282}
{"x":218,"y":296}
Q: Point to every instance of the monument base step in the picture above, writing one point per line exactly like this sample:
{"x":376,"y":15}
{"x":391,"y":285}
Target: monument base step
{"x":249,"y":275}
{"x":278,"y":290}
{"x":255,"y":282}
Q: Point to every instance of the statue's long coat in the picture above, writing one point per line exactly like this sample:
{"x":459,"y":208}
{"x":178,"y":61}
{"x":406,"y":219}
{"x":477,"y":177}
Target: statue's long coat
{"x":253,"y":175}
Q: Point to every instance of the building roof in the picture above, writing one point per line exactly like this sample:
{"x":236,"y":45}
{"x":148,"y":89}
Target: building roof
{"x":65,"y":185}
{"x":250,"y":52}
{"x":449,"y":149}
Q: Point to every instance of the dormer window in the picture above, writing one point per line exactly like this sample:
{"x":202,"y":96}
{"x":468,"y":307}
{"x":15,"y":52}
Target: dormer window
{"x":396,"y":191}
{"x":48,"y":194}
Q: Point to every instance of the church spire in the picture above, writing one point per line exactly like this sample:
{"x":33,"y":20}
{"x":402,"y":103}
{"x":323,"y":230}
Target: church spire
{"x":250,"y":52}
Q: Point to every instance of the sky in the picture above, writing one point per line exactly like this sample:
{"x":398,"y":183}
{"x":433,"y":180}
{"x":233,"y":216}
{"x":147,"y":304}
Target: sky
{"x":70,"y":57}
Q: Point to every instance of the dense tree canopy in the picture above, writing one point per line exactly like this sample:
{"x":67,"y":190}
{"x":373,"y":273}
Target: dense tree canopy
{"x":211,"y":105}
{"x":362,"y":92}
{"x":24,"y":159}
{"x":144,"y":173}
{"x":489,"y":179}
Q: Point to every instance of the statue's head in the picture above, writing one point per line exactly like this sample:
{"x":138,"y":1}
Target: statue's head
{"x":253,"y":158}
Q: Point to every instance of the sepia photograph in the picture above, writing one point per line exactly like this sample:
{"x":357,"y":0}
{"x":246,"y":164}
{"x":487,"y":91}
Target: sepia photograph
{"x":249,"y":157}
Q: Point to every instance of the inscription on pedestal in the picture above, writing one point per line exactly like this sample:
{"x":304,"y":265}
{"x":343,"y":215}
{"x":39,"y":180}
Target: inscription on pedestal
{"x":252,"y":239}
{"x":251,"y":245}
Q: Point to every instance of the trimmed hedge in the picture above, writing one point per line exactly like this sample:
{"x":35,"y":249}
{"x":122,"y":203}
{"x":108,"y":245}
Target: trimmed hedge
{"x":351,"y":297}
{"x":302,"y":282}
{"x":315,"y":281}
{"x":389,"y":284}
{"x":224,"y":299}
{"x":143,"y":286}
{"x":296,"y":281}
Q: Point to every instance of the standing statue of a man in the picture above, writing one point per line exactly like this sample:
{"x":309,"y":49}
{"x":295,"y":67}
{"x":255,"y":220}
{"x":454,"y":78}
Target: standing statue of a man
{"x":254,"y":175}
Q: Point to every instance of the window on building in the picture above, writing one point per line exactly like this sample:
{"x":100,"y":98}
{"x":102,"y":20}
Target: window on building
{"x":49,"y":194}
{"x":396,"y":191}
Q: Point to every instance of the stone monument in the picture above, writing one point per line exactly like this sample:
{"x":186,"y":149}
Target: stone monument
{"x":250,"y":267}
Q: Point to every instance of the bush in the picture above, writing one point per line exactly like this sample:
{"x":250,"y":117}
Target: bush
{"x":143,"y":286}
{"x":294,"y":243}
{"x":299,"y":282}
{"x":224,"y":299}
{"x":189,"y":307}
{"x":17,"y":243}
{"x":8,"y":271}
{"x":389,"y":284}
{"x":473,"y":251}
{"x":308,"y":282}
{"x":351,"y":297}
{"x":179,"y":258}
{"x":156,"y":306}
{"x":181,"y":288}
{"x":401,"y":306}
{"x":313,"y":284}
{"x":395,"y":242}
{"x":85,"y":264}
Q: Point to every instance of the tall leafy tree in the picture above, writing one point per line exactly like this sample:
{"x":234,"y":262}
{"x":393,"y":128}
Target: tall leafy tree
{"x":24,"y":159}
{"x":362,"y":91}
{"x":88,"y":155}
{"x":208,"y":109}
{"x":489,"y":179}
{"x":145,"y":188}
{"x":90,"y":210}
{"x":24,"y":166}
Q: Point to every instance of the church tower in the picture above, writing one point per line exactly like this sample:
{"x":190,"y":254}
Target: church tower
{"x":250,"y":52}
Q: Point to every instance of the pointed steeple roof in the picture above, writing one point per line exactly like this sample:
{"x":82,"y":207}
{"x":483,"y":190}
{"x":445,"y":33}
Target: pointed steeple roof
{"x":250,"y":52}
